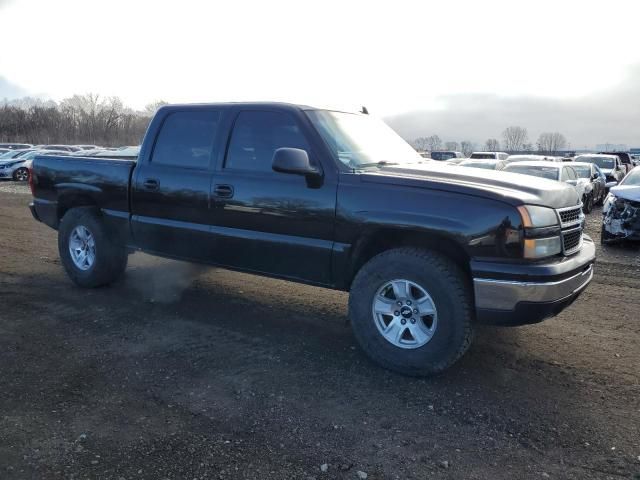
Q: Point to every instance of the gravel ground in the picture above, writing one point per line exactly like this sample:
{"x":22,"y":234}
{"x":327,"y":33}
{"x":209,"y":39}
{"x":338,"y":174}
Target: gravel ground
{"x":181,"y":372}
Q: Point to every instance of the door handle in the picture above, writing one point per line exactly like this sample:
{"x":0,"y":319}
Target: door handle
{"x":224,"y":191}
{"x":151,"y":184}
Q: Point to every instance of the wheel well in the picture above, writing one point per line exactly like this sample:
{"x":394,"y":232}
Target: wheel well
{"x":68,"y":202}
{"x":387,"y":239}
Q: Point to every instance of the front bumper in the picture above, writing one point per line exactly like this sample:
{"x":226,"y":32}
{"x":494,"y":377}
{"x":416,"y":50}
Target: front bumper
{"x":539,"y":292}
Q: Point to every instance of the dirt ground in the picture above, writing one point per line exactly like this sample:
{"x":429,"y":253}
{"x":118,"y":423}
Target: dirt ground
{"x":179,"y":372}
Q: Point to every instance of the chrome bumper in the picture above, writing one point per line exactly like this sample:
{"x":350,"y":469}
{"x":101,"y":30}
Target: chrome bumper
{"x":506,"y":294}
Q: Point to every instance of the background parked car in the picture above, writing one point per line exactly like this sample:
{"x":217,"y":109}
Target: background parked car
{"x":489,"y":155}
{"x":560,"y":171}
{"x":62,"y":148}
{"x":17,"y":168}
{"x":446,"y":155}
{"x":532,"y":158}
{"x":595,"y":181}
{"x":621,"y":210}
{"x":609,"y":164}
{"x":486,"y":164}
{"x":15,"y":146}
{"x":625,"y":160}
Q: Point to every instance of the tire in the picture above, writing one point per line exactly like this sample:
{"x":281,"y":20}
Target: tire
{"x":448,"y":288}
{"x":588,"y":203}
{"x":605,"y":237}
{"x":109,"y":257}
{"x":21,"y":174}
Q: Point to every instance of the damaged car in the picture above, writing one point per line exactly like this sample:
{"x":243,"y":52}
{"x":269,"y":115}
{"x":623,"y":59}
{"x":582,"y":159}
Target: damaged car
{"x":621,"y":210}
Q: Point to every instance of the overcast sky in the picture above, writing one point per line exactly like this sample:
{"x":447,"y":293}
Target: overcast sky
{"x":392,"y":56}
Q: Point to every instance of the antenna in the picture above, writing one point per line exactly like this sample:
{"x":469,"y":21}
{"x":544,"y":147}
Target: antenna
{"x":364,"y":110}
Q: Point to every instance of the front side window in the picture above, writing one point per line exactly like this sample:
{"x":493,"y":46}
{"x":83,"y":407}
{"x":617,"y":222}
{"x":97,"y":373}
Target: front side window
{"x":257,"y":135}
{"x":186,"y":139}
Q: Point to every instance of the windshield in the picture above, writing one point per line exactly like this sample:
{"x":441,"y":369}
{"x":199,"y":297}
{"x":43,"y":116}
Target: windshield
{"x":582,"y":170}
{"x":484,"y":156}
{"x":602,"y":162}
{"x":487,"y":165}
{"x":9,"y":154}
{"x":442,"y":155}
{"x":632,"y":179}
{"x":360,"y":140}
{"x":543,"y":172}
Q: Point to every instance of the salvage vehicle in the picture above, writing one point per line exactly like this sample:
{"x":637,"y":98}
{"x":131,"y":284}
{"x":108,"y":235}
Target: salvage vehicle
{"x":626,"y":161}
{"x":595,"y":184}
{"x":332,"y":199}
{"x":16,"y":146}
{"x":17,"y":168}
{"x":621,"y":210}
{"x":561,"y":172}
{"x":610,"y":165}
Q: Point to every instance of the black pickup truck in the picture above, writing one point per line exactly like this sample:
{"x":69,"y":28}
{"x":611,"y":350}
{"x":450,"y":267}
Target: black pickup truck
{"x":332,"y":199}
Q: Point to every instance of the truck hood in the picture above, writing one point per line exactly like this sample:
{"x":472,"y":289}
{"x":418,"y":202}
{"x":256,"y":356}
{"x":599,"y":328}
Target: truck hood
{"x":513,"y":188}
{"x":627,"y":192}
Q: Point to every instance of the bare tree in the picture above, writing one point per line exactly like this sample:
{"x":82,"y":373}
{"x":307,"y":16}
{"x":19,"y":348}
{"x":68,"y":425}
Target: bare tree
{"x":492,"y":145}
{"x":77,"y":119}
{"x":515,"y":138}
{"x":467,"y":147}
{"x":420,"y":144}
{"x":151,"y":108}
{"x":551,"y":142}
{"x":453,"y":146}
{"x":434,"y":143}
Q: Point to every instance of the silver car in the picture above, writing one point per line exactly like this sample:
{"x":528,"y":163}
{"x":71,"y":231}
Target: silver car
{"x":17,"y":168}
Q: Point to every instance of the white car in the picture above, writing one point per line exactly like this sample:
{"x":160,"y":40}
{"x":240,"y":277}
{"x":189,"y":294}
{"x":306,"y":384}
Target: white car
{"x":610,"y":165}
{"x":533,"y":158}
{"x":559,"y":171}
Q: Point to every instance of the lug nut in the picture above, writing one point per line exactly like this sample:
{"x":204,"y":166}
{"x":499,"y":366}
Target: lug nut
{"x":408,"y":302}
{"x":415,"y":310}
{"x":413,"y":320}
{"x":399,"y":303}
{"x":396,"y":313}
{"x":403,"y":321}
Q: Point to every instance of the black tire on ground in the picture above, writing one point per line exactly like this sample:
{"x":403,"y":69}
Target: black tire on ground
{"x":450,"y":290}
{"x":21,"y":174}
{"x":110,"y":256}
{"x":588,"y":203}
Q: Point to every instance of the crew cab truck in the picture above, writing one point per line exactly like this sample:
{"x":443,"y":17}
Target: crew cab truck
{"x":332,"y":199}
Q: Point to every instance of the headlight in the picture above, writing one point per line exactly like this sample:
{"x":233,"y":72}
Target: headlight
{"x":535,"y":217}
{"x":540,"y":222}
{"x":542,"y":247}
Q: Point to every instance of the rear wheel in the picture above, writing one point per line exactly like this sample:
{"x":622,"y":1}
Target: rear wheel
{"x":89,"y":254}
{"x":411,"y":311}
{"x":21,"y":174}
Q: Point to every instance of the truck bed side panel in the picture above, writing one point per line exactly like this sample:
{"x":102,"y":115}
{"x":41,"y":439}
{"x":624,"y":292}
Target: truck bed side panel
{"x":62,"y":182}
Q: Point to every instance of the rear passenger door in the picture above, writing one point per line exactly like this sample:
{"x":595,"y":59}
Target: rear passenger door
{"x":267,"y":221}
{"x":171,"y":190}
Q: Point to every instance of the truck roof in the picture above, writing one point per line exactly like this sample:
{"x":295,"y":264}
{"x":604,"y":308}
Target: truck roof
{"x":262,"y":104}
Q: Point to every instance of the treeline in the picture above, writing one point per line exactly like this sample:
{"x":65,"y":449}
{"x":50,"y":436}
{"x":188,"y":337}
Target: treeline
{"x":81,"y":119}
{"x":514,"y":139}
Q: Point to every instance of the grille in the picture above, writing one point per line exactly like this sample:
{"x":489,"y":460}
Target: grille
{"x":571,"y":241}
{"x":570,"y":216}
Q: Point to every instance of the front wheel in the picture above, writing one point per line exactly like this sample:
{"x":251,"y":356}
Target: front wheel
{"x":89,"y":253}
{"x":411,"y":311}
{"x":21,"y":174}
{"x":587,"y":207}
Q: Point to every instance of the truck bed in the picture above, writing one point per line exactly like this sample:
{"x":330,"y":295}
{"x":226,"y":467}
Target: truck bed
{"x":60,"y":182}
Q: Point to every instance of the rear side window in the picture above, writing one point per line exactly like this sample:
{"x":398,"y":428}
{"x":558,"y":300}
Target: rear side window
{"x":187,"y":139}
{"x":257,"y":135}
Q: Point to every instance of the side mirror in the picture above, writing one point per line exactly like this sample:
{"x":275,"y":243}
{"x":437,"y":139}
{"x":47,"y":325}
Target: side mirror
{"x":595,"y":176}
{"x":572,"y":182}
{"x":611,"y":184}
{"x":293,"y":160}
